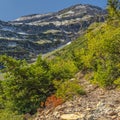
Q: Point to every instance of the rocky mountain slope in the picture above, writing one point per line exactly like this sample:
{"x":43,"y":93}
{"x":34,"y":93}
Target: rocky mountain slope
{"x":28,"y":36}
{"x":97,"y":104}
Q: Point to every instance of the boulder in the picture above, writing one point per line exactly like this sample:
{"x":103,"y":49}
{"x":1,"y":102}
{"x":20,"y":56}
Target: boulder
{"x":69,"y":117}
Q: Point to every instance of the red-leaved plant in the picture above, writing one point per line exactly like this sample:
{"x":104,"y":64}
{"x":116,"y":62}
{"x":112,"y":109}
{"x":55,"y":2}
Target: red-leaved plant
{"x":52,"y":102}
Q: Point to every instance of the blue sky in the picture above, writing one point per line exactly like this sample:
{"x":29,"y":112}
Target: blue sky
{"x":12,"y":9}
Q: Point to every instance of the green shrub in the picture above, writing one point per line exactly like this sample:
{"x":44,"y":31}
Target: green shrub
{"x":102,"y":55}
{"x":62,"y":69}
{"x":68,"y":89}
{"x":117,"y":82}
{"x":25,"y":86}
{"x":9,"y":115}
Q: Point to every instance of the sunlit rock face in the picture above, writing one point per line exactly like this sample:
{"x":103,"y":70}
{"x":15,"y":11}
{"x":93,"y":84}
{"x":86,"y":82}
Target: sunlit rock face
{"x":41,"y":33}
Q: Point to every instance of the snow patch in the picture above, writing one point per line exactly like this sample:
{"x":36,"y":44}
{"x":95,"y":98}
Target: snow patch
{"x":15,"y":23}
{"x":57,"y":23}
{"x":70,"y":12}
{"x":31,"y":17}
{"x":68,"y":43}
{"x":22,"y":33}
{"x":80,"y":7}
{"x":7,"y":29}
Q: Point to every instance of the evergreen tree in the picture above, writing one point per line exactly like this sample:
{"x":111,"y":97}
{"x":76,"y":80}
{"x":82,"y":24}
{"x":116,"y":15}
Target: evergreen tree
{"x":113,"y":7}
{"x":25,"y":85}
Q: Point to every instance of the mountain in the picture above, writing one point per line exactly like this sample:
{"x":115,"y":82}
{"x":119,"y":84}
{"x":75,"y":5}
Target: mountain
{"x":30,"y":35}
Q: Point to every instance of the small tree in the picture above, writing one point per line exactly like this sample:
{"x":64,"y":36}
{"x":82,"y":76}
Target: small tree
{"x":25,"y":86}
{"x":113,"y":7}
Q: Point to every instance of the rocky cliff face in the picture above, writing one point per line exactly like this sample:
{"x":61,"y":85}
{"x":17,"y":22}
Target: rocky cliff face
{"x":31,"y":35}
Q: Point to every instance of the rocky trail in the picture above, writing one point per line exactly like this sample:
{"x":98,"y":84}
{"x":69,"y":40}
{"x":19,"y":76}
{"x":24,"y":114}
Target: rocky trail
{"x":97,"y":104}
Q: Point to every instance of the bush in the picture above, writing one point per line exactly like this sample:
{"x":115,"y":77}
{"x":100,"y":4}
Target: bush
{"x":25,"y":85}
{"x":62,"y":69}
{"x":102,"y":55}
{"x":67,"y":89}
{"x":117,"y":82}
{"x":9,"y":115}
{"x":53,"y":101}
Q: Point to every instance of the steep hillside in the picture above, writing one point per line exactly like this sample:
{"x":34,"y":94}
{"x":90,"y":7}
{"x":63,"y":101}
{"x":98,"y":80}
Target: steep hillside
{"x":81,"y":81}
{"x":97,"y":104}
{"x":31,"y":35}
{"x":97,"y":54}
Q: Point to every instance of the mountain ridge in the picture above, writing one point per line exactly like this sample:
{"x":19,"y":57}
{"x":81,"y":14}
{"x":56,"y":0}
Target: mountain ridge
{"x":41,"y":33}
